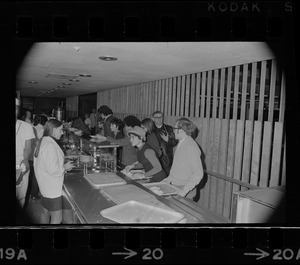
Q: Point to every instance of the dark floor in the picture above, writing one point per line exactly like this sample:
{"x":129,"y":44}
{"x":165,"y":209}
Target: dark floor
{"x":31,"y":214}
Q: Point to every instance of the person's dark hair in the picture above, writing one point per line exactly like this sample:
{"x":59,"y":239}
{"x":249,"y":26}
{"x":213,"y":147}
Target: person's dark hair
{"x":119,"y":123}
{"x":44,"y":119}
{"x":48,"y":131}
{"x":132,"y":121}
{"x":23,"y":115}
{"x":149,"y":124}
{"x":37,"y":119}
{"x":157,"y":112}
{"x":105,"y":110}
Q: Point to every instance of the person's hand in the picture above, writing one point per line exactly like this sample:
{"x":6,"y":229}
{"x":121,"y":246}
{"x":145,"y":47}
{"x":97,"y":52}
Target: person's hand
{"x":181,"y":192}
{"x":24,"y":165}
{"x":165,"y":136}
{"x":68,"y":166}
{"x":128,"y":168}
{"x":101,"y":137}
{"x":166,"y":180}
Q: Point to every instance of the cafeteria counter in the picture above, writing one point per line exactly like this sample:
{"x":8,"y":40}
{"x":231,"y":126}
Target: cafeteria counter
{"x":87,"y":202}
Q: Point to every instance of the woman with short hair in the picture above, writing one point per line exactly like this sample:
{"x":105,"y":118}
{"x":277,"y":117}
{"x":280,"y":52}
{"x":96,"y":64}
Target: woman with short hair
{"x":145,"y":155}
{"x":49,"y":169}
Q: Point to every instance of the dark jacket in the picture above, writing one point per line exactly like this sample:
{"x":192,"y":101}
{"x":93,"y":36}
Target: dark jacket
{"x":166,"y":146}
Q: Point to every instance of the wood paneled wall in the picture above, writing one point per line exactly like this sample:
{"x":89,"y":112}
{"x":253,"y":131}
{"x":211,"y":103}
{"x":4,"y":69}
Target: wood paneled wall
{"x":239,"y":112}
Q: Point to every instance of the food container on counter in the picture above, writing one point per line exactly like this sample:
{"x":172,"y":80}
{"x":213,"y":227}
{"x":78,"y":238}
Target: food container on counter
{"x":135,"y":212}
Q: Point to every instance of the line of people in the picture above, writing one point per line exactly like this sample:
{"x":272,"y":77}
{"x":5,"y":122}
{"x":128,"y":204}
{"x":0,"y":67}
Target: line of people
{"x":149,"y":144}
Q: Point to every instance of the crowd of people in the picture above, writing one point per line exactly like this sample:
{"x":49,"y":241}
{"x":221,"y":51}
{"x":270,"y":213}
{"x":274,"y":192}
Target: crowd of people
{"x":167,"y":154}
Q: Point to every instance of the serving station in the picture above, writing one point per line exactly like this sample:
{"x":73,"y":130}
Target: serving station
{"x":99,"y":193}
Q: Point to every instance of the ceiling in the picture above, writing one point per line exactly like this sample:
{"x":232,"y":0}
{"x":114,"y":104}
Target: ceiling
{"x":52,"y":63}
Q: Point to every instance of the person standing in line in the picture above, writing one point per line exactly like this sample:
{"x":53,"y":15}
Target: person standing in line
{"x":117,"y":127}
{"x":129,"y":153}
{"x":146,"y":155}
{"x":151,"y":138}
{"x":88,"y":121}
{"x":166,"y":140}
{"x":106,"y":116}
{"x":187,"y":170}
{"x":39,"y":122}
{"x":24,"y":137}
{"x":49,"y":169}
{"x":93,"y":117}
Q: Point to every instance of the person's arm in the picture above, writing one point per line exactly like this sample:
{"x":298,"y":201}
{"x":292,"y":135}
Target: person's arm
{"x":54,"y":165}
{"x":122,"y":142}
{"x":195,"y":164}
{"x":26,"y":154}
{"x":172,"y":141}
{"x":150,"y":155}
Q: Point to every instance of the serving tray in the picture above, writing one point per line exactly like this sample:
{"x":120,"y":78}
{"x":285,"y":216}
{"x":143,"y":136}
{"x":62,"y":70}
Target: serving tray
{"x":163,"y":189}
{"x":137,"y":212}
{"x":100,"y":180}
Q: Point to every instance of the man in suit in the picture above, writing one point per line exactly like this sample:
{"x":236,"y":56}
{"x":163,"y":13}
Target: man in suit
{"x":166,"y":140}
{"x":186,"y":171}
{"x":106,"y":116}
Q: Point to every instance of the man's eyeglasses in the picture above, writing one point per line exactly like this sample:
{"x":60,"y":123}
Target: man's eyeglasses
{"x":158,"y":117}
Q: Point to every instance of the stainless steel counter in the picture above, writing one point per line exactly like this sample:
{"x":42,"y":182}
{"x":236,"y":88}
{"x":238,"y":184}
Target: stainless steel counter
{"x":87,"y":201}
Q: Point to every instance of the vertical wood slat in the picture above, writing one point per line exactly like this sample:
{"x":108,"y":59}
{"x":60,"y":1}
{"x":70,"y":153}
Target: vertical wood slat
{"x":159,"y":95}
{"x":228,"y":93}
{"x":170,"y":97}
{"x":182,"y":105}
{"x":265,"y":156}
{"x":192,"y":96}
{"x":204,"y":140}
{"x":215,"y":163}
{"x":272,"y":90}
{"x":203,"y":94}
{"x":222,"y":166}
{"x":229,"y":168}
{"x":247,"y":152}
{"x":262,"y":90}
{"x":208,"y":99}
{"x":236,"y":91}
{"x":252,"y":91}
{"x":187,"y":96}
{"x":283,"y":172}
{"x":238,"y":152}
{"x":282,"y":99}
{"x":163,"y":98}
{"x":276,"y":155}
{"x":221,"y":102}
{"x":197,"y":103}
{"x":256,"y":148}
{"x":166,"y":102}
{"x":215,"y":93}
{"x":178,"y":96}
{"x":244,"y":91}
{"x":155,"y":95}
{"x":174,"y":83}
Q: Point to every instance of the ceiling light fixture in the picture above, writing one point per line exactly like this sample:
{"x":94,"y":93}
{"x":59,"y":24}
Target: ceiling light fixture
{"x":32,"y":82}
{"x":66,"y":84}
{"x":74,"y":80}
{"x":108,"y":58}
{"x":60,"y":86}
{"x":85,"y":75}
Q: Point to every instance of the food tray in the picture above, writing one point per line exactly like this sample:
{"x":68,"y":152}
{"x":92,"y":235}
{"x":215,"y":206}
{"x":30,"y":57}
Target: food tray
{"x":165,"y":189}
{"x":136,"y":212}
{"x":99,"y":180}
{"x":127,"y":193}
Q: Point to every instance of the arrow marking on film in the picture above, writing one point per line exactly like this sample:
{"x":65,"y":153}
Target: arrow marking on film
{"x":261,"y":255}
{"x":129,"y":254}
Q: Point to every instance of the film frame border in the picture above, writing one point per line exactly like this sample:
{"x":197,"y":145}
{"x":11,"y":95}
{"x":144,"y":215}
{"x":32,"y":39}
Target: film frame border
{"x":40,"y":31}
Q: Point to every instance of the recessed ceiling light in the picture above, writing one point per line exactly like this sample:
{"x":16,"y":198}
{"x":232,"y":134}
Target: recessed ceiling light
{"x":32,"y":82}
{"x":108,"y":58}
{"x":60,"y":86}
{"x":85,"y":75}
{"x":74,"y":80}
{"x":66,"y":84}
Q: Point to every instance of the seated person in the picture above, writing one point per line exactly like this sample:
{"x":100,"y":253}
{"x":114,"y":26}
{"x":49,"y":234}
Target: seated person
{"x":145,"y":155}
